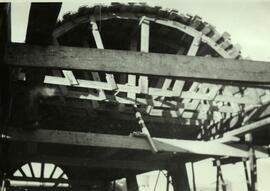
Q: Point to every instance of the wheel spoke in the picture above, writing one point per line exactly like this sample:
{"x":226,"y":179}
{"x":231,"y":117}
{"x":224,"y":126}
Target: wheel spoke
{"x":31,"y":169}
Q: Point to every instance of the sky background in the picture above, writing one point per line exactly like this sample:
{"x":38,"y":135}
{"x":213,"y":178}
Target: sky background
{"x":248,"y":22}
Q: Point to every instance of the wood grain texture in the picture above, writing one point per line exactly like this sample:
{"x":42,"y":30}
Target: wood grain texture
{"x":127,"y":142}
{"x":216,"y":69}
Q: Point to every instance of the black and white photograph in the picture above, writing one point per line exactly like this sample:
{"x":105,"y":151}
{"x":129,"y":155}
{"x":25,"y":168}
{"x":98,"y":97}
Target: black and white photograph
{"x":135,"y":95}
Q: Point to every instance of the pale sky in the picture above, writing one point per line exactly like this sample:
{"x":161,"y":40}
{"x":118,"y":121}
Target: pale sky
{"x":248,"y":22}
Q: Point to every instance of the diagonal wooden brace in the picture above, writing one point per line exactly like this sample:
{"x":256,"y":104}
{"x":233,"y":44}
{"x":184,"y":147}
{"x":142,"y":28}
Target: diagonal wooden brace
{"x":145,"y":133}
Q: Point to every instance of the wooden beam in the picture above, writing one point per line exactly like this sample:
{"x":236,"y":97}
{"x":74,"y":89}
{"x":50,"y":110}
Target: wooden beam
{"x":41,"y":22}
{"x":132,"y":184}
{"x":195,"y":44}
{"x":262,"y":111}
{"x":128,"y":115}
{"x":215,"y":69}
{"x":5,"y":34}
{"x":101,"y":163}
{"x":40,"y":188}
{"x":84,"y":182}
{"x":252,"y":162}
{"x":31,"y":169}
{"x":80,"y":139}
{"x":255,"y":126}
{"x":99,"y":44}
{"x":70,"y":77}
{"x":213,"y":149}
{"x":37,"y":179}
{"x":86,"y":75}
{"x":145,"y":32}
{"x":246,"y":175}
{"x":5,"y":24}
{"x":5,"y":97}
{"x":132,"y":84}
{"x":127,"y":142}
{"x":232,"y":135}
{"x":180,"y":178}
{"x":176,"y":92}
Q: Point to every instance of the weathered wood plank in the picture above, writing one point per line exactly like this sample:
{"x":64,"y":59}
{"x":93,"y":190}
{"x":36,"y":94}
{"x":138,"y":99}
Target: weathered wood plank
{"x":194,"y":46}
{"x":180,"y":178}
{"x":215,"y":69}
{"x":132,"y":184}
{"x":99,"y":44}
{"x":14,"y":187}
{"x":80,"y":139}
{"x":86,"y":75}
{"x":131,"y":84}
{"x":83,"y":182}
{"x":126,"y":142}
{"x":144,"y":43}
{"x":128,"y":116}
{"x":18,"y":178}
{"x":215,"y":148}
{"x":131,"y":88}
{"x":255,"y":126}
{"x":263,"y":111}
{"x":99,"y":163}
{"x":70,"y":77}
{"x":5,"y":34}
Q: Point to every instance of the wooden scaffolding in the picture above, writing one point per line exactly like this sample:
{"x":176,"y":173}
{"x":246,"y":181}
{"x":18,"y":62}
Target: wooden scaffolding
{"x":114,"y":91}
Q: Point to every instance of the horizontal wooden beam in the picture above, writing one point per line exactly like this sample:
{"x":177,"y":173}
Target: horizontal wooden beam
{"x":212,"y":148}
{"x":152,"y":91}
{"x":124,"y":164}
{"x":125,"y":142}
{"x":43,"y":188}
{"x":138,"y":62}
{"x":251,"y":112}
{"x":155,"y":92}
{"x":128,"y":114}
{"x":79,"y":139}
{"x":255,"y":126}
{"x":37,"y":179}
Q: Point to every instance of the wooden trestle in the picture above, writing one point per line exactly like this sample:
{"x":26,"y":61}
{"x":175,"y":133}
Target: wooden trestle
{"x":78,"y":98}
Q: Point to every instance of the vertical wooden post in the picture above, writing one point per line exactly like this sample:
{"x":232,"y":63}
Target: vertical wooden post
{"x":252,"y":162}
{"x":132,"y":184}
{"x":217,"y":181}
{"x":246,"y":175}
{"x":193,"y":176}
{"x":220,"y":176}
{"x":157,"y":180}
{"x":168,"y":182}
{"x":144,"y":47}
{"x":180,"y":178}
{"x":193,"y":49}
{"x":145,"y":32}
{"x":223,"y":184}
{"x":5,"y":38}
